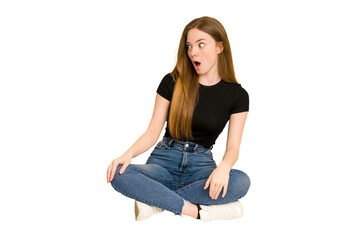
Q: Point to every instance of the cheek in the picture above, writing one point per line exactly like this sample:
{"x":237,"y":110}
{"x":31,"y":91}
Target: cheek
{"x":211,"y":57}
{"x":207,"y":56}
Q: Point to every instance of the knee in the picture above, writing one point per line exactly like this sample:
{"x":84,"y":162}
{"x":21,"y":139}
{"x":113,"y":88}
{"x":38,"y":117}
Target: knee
{"x":241,"y":182}
{"x":119,"y":180}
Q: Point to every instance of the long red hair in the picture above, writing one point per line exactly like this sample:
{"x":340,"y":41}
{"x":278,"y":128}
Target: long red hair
{"x":187,"y":82}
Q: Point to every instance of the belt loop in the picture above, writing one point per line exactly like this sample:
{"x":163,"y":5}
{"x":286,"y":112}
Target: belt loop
{"x":170,"y":141}
{"x":195,"y":148}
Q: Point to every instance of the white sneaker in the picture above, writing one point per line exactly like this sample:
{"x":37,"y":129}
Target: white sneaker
{"x":225,"y":211}
{"x":144,"y":211}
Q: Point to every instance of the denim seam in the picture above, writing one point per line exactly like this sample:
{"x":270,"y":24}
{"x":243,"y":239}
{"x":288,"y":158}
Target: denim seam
{"x":154,"y":178}
{"x":162,"y":148}
{"x":186,"y":184}
{"x":189,"y":186}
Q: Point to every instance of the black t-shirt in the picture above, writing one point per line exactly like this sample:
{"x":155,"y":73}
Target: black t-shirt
{"x":212,"y":111}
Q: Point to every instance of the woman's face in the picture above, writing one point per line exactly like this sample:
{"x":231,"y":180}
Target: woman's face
{"x":203,"y":51}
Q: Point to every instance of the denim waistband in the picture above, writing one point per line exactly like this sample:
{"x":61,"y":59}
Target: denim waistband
{"x":185,"y":146}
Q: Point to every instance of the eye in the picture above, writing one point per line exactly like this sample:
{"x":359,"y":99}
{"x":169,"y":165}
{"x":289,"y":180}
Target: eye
{"x":201,"y":45}
{"x":188,"y":46}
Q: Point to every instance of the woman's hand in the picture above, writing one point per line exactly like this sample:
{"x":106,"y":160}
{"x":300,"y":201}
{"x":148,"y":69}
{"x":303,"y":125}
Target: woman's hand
{"x":125,"y":160}
{"x":218,"y":180}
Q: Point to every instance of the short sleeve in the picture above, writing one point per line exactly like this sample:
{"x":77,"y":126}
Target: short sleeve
{"x":166,"y":87}
{"x":241,"y":100}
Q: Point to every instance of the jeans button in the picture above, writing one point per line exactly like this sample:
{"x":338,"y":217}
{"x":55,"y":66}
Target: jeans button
{"x":186,"y":145}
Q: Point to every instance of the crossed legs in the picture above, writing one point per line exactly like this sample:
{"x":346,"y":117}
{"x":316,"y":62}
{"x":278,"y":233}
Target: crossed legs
{"x":155,"y":186}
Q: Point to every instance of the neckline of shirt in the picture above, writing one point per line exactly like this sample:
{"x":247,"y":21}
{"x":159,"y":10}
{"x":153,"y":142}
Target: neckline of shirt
{"x":210,"y":86}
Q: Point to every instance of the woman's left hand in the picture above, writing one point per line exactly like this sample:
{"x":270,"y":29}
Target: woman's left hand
{"x":217,"y":181}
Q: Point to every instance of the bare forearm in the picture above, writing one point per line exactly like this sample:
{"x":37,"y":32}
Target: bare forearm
{"x":230,"y":158}
{"x":146,"y":141}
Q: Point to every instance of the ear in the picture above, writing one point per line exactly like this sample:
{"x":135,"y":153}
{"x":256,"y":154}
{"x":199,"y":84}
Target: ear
{"x":219,"y":47}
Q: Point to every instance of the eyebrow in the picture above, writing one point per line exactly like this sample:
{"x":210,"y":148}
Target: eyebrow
{"x":201,"y":39}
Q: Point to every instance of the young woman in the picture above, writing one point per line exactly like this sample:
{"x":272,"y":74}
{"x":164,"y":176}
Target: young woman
{"x":196,"y":99}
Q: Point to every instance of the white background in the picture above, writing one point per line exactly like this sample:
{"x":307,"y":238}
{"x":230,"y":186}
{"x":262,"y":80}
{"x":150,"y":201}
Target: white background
{"x":78,"y":83}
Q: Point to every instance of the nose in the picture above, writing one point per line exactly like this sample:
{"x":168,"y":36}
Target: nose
{"x":193,"y":52}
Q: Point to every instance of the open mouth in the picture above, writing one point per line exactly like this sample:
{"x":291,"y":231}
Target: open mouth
{"x":196,"y":64}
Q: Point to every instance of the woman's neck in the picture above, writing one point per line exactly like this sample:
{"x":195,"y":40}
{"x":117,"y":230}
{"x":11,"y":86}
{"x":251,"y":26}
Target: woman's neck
{"x":209,"y":80}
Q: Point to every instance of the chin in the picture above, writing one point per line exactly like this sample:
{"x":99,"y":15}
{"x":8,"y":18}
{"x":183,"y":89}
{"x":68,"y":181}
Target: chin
{"x":199,"y":72}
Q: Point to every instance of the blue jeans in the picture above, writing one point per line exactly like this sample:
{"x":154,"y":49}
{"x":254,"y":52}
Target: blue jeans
{"x":176,"y":171}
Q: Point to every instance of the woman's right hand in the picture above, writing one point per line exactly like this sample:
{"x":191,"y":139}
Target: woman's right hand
{"x":125,"y":160}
